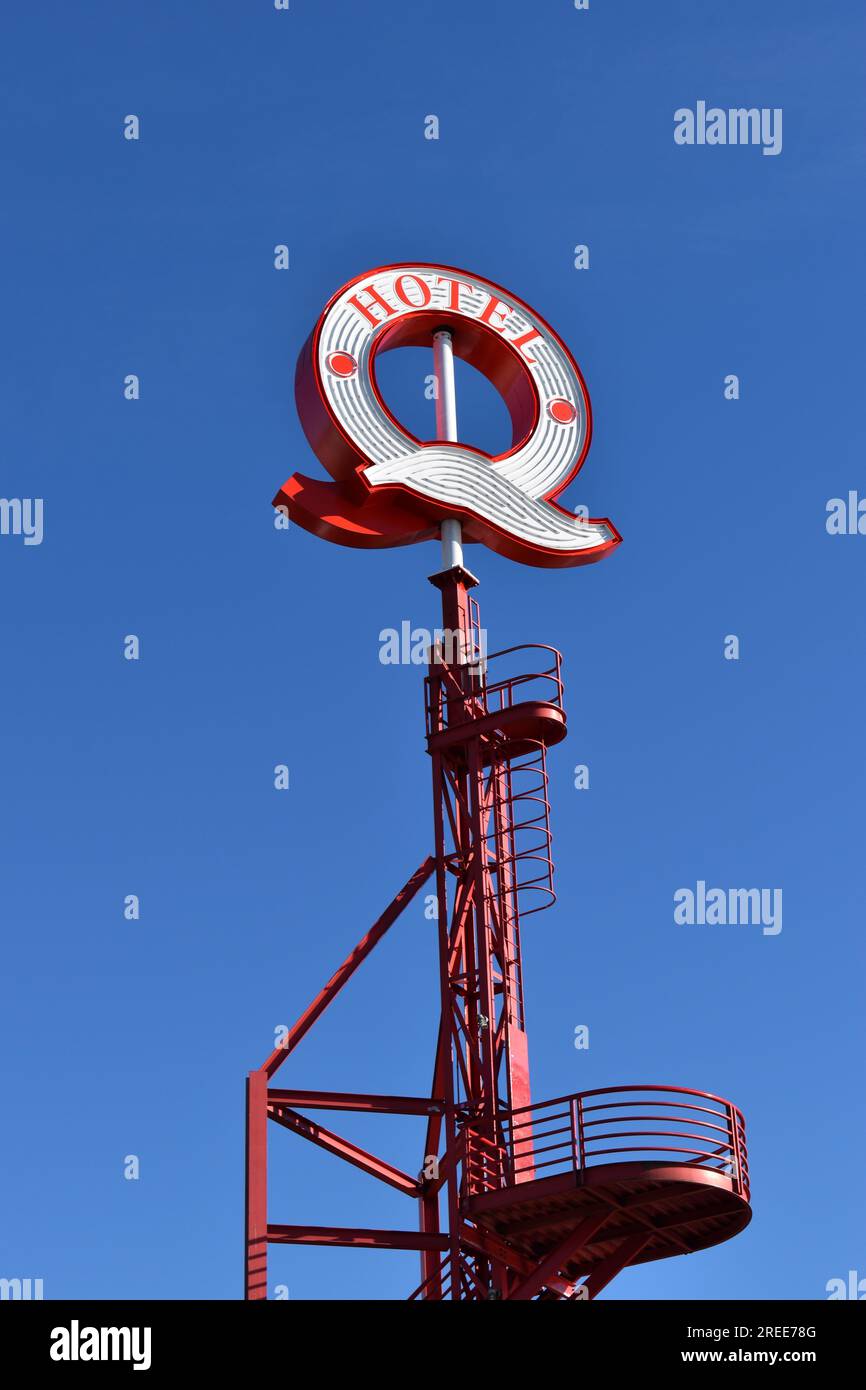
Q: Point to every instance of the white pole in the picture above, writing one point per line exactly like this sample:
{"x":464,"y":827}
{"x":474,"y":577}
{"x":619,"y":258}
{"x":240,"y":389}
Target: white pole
{"x":446,"y":428}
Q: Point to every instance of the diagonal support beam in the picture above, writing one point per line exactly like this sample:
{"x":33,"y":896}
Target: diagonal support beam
{"x":448,"y":1162}
{"x":560,"y":1255}
{"x":345,"y":1149}
{"x":495,"y":1248}
{"x":349,"y":966}
{"x":486,"y":1243}
{"x":610,"y":1268}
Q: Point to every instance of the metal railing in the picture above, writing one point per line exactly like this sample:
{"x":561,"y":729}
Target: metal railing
{"x":544,"y":683}
{"x":462,"y":687}
{"x":517,"y":845}
{"x":516,"y":838}
{"x":689,"y":1129}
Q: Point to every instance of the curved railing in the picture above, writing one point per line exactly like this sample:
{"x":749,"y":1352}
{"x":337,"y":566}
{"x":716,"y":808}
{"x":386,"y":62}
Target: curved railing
{"x":543,"y":681}
{"x":688,"y":1128}
{"x":455,"y":689}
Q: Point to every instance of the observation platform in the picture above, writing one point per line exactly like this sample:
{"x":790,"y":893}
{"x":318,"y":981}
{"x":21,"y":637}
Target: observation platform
{"x":514,"y":714}
{"x":611,"y":1177}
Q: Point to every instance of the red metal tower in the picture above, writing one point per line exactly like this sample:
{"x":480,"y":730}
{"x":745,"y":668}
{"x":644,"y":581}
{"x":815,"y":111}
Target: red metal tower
{"x":516,"y":1200}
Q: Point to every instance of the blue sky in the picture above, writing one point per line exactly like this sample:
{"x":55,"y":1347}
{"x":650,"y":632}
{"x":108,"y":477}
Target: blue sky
{"x":260,"y":647}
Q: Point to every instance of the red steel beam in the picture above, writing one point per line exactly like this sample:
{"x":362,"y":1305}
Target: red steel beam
{"x":345,"y":1149}
{"x":256,"y":1243}
{"x":498,"y":1249}
{"x":359,"y":1101}
{"x":560,"y":1255}
{"x":487,"y":1243}
{"x":448,"y":1162}
{"x":349,"y":966}
{"x":355,"y":1237}
{"x":428,"y":1205}
{"x":610,"y":1268}
{"x":439,"y":1088}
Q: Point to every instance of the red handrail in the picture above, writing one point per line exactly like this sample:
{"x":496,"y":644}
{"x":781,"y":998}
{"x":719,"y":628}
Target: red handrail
{"x":447,"y":682}
{"x":541,"y":1137}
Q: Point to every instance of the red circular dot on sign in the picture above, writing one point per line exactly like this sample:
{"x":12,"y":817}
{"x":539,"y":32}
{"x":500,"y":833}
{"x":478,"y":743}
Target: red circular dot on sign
{"x":342,"y":364}
{"x":563,"y":412}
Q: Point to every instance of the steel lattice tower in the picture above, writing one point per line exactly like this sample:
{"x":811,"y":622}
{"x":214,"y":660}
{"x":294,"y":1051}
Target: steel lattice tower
{"x":516,"y":1200}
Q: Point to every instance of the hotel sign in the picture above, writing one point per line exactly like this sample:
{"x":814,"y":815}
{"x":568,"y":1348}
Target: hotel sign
{"x":390,"y":488}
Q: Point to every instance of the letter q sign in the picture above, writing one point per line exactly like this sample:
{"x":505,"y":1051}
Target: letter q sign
{"x":390,"y":488}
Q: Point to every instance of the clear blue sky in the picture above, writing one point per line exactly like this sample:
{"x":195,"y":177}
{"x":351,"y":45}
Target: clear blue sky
{"x":258,"y":647}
